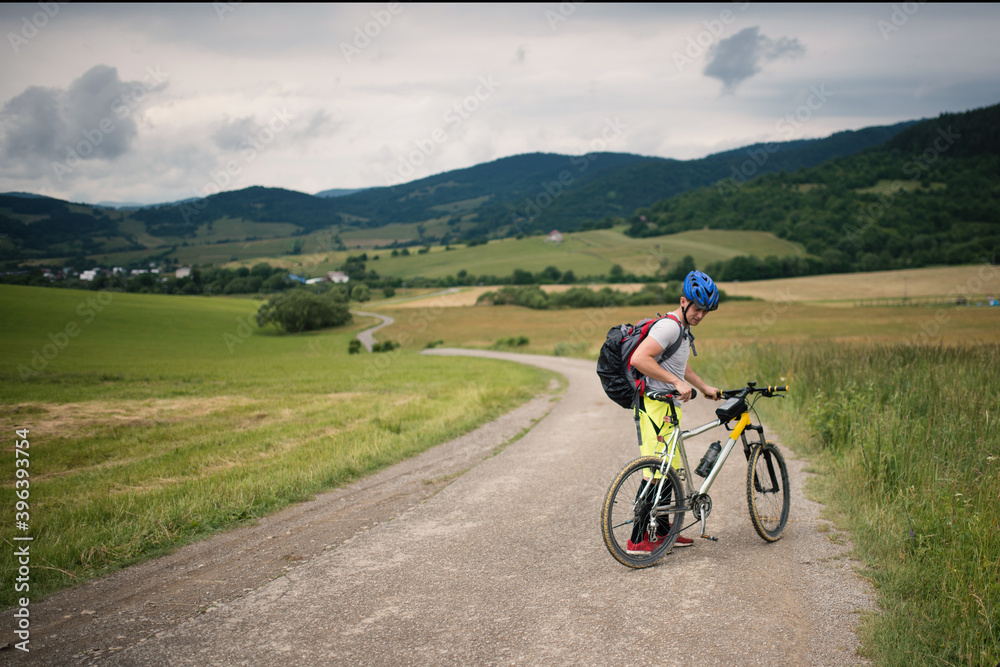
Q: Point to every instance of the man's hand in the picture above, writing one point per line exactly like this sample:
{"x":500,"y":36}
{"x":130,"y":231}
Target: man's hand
{"x":684,"y":389}
{"x":713,"y":393}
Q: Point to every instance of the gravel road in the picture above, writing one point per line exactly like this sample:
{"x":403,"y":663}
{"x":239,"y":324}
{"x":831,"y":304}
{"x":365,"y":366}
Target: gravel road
{"x":485,"y":550}
{"x":367,"y":337}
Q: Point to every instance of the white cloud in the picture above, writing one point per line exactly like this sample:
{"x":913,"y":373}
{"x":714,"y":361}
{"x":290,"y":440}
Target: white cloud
{"x":558,"y":83}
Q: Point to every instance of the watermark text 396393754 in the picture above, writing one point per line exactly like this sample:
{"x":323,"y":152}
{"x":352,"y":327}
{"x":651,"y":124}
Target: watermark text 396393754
{"x":22,"y":541}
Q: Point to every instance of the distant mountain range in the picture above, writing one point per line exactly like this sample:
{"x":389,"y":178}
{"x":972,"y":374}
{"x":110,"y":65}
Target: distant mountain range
{"x":928,"y":196}
{"x":338,"y":192}
{"x":527,"y":193}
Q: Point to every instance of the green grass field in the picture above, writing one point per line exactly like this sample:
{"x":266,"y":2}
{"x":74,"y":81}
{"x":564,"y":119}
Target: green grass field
{"x":156,"y":420}
{"x":584,"y":253}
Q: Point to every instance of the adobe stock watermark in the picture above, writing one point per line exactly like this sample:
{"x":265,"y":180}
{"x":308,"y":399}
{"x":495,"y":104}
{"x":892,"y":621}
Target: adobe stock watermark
{"x":251,"y":146}
{"x":751,"y":332}
{"x":327,"y":240}
{"x":699,"y":44}
{"x":417,"y":322}
{"x":598,"y":319}
{"x":899,"y":17}
{"x":223,"y":9}
{"x":60,"y":339}
{"x":31,"y":26}
{"x":458,"y":113}
{"x":930,"y":328}
{"x":122,"y":107}
{"x":916,"y":169}
{"x":244,"y":329}
{"x":788,"y":124}
{"x":532,"y":207}
{"x":363,"y":35}
{"x":566,"y":9}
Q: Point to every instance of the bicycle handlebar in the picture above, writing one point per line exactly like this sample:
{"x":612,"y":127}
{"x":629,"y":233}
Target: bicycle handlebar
{"x":752,"y":388}
{"x":657,"y":395}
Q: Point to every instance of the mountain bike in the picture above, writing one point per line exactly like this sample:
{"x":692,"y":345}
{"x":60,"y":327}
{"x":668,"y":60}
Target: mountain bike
{"x":648,"y":499}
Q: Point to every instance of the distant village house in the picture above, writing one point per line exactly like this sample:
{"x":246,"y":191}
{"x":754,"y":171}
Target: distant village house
{"x":554,"y":237}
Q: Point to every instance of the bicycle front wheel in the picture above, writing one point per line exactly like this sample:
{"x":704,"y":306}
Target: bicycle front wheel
{"x":768,"y":494}
{"x":636,"y":532}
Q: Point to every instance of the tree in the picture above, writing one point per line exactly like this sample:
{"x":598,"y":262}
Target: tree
{"x":299,"y":310}
{"x":685,"y":267}
{"x":522,"y":277}
{"x":361,"y":293}
{"x":551,"y":274}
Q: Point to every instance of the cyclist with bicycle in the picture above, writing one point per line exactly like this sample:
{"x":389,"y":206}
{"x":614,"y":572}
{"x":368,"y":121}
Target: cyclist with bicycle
{"x":672,"y":374}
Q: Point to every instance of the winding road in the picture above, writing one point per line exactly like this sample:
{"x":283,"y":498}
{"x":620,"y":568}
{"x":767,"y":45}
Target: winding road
{"x":483,"y":551}
{"x":367,"y":337}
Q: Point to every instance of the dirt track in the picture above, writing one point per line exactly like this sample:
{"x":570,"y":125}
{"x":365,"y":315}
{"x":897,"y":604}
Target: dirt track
{"x":476,"y":553}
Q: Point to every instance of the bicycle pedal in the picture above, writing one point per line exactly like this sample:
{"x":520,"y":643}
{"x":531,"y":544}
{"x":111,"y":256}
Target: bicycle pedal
{"x":709,"y":537}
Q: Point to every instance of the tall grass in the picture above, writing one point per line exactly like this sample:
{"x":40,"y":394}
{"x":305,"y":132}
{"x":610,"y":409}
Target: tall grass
{"x":165,"y":419}
{"x":906,"y":438}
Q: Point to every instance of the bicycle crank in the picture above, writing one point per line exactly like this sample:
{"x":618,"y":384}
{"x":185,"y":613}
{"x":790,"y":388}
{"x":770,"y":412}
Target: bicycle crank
{"x":701,"y":506}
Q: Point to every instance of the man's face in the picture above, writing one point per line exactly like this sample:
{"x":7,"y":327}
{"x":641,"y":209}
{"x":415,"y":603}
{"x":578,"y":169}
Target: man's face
{"x":694,"y":313}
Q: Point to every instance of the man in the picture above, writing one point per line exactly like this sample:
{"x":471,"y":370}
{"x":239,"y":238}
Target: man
{"x":671,"y":373}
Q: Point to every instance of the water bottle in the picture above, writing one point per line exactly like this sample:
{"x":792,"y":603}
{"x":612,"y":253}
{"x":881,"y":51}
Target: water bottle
{"x":709,"y":459}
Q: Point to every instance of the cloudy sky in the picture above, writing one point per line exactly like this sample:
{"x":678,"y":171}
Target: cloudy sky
{"x":153,"y":103}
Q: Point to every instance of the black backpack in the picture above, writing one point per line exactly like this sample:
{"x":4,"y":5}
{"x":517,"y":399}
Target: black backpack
{"x":621,"y":382}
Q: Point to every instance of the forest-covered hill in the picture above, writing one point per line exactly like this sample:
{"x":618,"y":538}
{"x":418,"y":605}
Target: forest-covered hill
{"x":929,"y":195}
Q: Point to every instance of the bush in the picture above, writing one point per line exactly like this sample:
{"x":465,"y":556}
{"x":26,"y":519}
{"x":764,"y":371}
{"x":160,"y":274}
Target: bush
{"x":387,"y":346}
{"x":299,"y":310}
{"x":354,"y":347}
{"x":513,"y":341}
{"x":529,"y":297}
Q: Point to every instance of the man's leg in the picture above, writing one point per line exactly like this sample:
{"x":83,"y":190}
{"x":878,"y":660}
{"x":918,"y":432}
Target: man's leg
{"x":656,"y":430}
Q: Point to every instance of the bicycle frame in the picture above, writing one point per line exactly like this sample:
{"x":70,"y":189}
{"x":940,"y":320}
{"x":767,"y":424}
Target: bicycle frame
{"x":677,"y":443}
{"x":675,"y":446}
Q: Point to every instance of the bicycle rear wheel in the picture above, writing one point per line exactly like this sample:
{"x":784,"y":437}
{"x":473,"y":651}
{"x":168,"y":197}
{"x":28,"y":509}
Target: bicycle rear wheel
{"x":768,"y":495}
{"x":628,"y":507}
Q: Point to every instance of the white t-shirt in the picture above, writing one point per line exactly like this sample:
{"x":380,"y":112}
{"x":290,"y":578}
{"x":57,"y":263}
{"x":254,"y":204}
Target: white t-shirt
{"x":666,"y":332}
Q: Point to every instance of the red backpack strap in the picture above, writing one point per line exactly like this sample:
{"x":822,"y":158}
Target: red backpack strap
{"x":685,"y":333}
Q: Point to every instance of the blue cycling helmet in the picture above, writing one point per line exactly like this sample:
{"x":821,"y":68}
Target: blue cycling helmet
{"x":700,"y":290}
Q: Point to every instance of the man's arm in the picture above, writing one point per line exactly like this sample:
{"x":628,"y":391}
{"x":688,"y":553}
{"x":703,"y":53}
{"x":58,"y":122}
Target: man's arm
{"x":692,"y":377}
{"x":644,"y":361}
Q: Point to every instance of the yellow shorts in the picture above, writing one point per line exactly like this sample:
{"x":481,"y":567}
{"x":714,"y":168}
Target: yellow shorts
{"x":654,"y":430}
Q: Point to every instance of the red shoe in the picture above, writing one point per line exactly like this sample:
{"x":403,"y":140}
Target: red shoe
{"x":682,"y":541}
{"x":643,"y":547}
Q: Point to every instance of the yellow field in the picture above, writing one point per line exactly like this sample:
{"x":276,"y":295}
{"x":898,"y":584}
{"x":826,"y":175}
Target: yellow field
{"x":581,"y":332}
{"x":978,"y":280}
{"x":973,"y":282}
{"x":792,"y":310}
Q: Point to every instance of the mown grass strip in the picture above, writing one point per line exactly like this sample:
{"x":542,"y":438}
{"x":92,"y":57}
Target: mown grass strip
{"x":148,"y":431}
